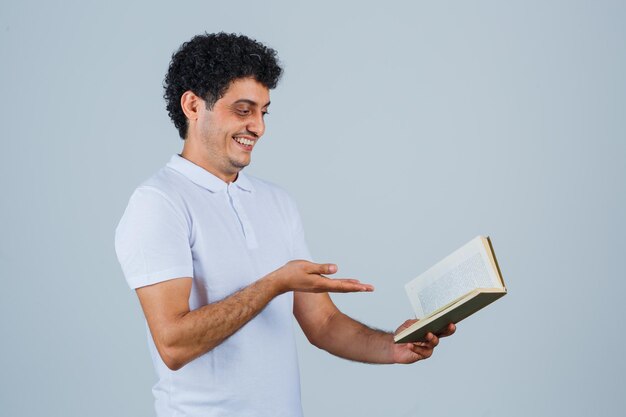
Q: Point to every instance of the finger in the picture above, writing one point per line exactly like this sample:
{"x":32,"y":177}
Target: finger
{"x":448,"y":331}
{"x":363,"y":286}
{"x":405,"y":325}
{"x":346,"y":285}
{"x":368,"y":287}
{"x":432,"y":340}
{"x":354,"y":284}
{"x":423,"y":352}
{"x":352,"y":280}
{"x":322,"y":268}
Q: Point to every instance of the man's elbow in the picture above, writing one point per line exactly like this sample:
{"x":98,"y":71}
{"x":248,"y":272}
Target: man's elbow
{"x":171,"y":358}
{"x":320,"y":335}
{"x":176,"y":356}
{"x":315,"y":339}
{"x":173,"y":355}
{"x":170,"y":346}
{"x":174,"y":365}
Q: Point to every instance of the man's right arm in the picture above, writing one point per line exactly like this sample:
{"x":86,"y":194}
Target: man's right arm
{"x":181,"y":335}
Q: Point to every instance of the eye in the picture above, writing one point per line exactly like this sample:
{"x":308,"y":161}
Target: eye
{"x":265,"y":113}
{"x":243,"y":112}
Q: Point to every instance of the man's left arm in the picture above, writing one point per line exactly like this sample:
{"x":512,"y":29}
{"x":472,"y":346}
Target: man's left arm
{"x":328,"y":328}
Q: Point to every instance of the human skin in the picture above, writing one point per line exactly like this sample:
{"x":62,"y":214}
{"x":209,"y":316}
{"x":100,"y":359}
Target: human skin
{"x":240,"y":113}
{"x":181,"y":335}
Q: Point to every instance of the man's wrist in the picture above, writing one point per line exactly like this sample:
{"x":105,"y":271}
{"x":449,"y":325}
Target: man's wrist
{"x":382,"y":342}
{"x":274,"y":283}
{"x":390,"y":348}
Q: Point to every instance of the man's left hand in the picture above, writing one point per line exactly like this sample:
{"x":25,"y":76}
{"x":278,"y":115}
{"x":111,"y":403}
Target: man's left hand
{"x":413,"y":352}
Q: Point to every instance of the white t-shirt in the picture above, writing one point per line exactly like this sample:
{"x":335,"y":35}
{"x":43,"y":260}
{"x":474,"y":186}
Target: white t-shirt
{"x":185,"y":222}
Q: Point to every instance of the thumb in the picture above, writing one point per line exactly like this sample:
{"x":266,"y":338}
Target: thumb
{"x":325,"y":269}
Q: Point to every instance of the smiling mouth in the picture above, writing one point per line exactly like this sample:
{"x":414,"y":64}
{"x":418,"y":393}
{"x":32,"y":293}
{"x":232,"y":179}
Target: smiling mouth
{"x":246,"y":143}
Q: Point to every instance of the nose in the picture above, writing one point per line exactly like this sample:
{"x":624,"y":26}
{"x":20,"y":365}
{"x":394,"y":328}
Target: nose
{"x":256,"y":125}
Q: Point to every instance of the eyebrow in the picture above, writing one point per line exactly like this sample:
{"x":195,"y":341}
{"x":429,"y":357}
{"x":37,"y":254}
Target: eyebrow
{"x":251,"y":102}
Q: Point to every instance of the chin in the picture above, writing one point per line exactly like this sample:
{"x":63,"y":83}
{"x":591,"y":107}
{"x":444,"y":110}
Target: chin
{"x":239,"y":165}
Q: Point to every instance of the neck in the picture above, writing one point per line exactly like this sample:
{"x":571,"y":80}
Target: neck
{"x":192,"y":154}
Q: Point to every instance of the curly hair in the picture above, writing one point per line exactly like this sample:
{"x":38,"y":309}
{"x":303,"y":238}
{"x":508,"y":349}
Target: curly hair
{"x":208,"y":63}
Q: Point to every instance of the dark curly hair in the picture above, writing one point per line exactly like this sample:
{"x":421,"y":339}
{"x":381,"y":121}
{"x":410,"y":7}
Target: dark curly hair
{"x":208,"y":63}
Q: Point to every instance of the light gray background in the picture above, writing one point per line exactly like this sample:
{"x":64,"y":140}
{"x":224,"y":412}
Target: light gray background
{"x":403,"y":129}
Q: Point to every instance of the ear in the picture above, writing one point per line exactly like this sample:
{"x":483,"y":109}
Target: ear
{"x":190,"y":104}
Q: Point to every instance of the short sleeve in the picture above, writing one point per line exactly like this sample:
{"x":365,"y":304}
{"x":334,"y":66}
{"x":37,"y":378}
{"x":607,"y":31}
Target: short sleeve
{"x":152,"y":240}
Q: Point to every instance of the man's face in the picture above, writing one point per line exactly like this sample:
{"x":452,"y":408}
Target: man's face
{"x":228,"y":133}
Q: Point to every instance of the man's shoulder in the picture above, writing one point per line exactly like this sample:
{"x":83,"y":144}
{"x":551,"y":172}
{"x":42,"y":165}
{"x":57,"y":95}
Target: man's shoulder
{"x":165,"y":182}
{"x":164,"y":178}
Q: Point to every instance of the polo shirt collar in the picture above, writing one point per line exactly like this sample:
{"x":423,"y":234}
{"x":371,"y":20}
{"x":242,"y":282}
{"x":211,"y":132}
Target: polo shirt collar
{"x":204,"y":178}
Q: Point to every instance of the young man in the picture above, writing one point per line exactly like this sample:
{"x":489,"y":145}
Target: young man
{"x":218,"y":258}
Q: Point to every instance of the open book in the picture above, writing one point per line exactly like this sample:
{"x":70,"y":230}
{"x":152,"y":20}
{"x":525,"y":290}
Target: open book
{"x":453,"y":289}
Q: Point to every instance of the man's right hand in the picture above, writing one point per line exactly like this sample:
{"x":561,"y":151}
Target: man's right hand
{"x":307,"y":276}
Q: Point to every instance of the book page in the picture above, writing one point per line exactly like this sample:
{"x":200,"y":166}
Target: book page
{"x":455,"y":283}
{"x":464,"y":270}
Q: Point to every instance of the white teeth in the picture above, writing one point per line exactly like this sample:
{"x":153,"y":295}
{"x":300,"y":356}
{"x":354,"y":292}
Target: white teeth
{"x":245,"y":141}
